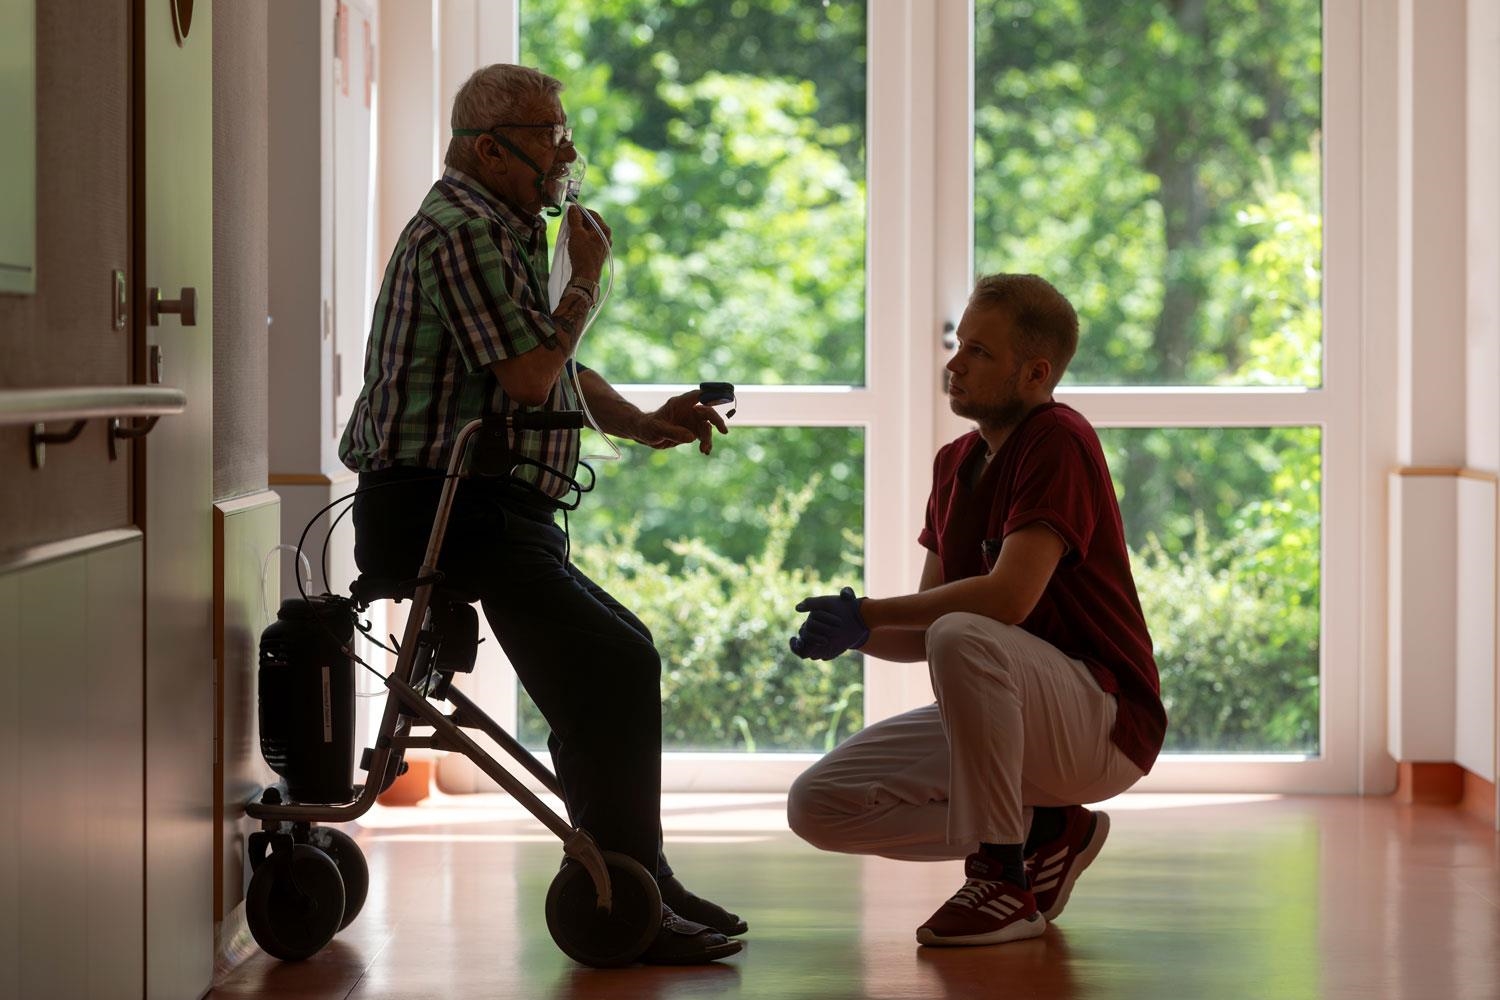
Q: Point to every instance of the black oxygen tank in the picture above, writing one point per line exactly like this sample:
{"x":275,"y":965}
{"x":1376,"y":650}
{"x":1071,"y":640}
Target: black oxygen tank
{"x":306,"y":695}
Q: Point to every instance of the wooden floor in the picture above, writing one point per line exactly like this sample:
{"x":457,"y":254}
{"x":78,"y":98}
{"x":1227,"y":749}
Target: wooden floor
{"x":1211,"y":897}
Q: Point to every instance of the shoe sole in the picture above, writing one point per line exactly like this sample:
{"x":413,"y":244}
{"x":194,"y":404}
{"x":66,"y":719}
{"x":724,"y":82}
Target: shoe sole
{"x":1085,"y":858}
{"x":703,"y":957}
{"x":1018,"y":931}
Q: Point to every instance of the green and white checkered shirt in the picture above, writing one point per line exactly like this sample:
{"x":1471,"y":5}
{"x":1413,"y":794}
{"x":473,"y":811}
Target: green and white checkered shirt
{"x":465,"y":287}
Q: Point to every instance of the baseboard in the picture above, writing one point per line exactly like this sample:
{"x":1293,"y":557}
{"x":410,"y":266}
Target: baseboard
{"x":1446,"y":784}
{"x":1424,"y":783}
{"x":1479,"y":798}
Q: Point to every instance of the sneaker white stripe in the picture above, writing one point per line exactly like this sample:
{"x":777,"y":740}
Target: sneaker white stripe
{"x":999,"y":908}
{"x":1040,"y":887}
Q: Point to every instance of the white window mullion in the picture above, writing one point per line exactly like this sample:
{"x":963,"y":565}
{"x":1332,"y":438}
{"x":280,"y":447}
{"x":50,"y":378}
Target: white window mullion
{"x":902,"y":286}
{"x":953,"y":186}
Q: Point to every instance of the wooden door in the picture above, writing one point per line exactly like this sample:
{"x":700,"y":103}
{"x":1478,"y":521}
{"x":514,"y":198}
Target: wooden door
{"x":175,"y":499}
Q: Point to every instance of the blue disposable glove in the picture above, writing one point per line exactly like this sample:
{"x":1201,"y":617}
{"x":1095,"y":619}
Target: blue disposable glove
{"x":833,"y":626}
{"x":809,"y":648}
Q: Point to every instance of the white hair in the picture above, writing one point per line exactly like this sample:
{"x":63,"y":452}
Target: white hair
{"x":494,"y":94}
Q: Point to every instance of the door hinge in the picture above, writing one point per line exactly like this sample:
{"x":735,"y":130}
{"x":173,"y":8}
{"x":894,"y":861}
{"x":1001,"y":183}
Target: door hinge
{"x":121,"y":299}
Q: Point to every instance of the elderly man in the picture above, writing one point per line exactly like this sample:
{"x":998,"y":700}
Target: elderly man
{"x":464,"y":327}
{"x":1027,"y":615}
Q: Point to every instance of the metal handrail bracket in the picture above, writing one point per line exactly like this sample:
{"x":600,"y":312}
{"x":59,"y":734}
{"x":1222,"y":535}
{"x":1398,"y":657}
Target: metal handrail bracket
{"x":79,"y":404}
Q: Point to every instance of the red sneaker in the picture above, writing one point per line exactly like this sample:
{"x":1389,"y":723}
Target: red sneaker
{"x":1053,"y":867}
{"x":984,"y":911}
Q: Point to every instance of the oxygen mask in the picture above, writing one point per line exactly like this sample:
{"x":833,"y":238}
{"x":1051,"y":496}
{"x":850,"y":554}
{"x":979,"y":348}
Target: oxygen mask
{"x":573,"y":179}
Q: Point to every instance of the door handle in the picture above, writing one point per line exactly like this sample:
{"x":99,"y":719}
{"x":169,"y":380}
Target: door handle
{"x":186,"y":306}
{"x":949,"y":341}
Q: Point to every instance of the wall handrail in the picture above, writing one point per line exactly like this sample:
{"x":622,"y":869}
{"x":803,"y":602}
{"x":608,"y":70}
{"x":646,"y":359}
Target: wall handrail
{"x":80,"y":404}
{"x":84,"y":402}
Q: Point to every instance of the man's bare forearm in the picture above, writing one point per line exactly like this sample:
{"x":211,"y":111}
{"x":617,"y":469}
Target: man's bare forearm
{"x":529,"y":377}
{"x":898,"y":645}
{"x":981,"y":595}
{"x":613,"y":412}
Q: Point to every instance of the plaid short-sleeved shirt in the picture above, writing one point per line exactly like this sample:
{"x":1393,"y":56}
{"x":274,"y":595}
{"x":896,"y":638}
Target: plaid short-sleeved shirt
{"x":465,"y":287}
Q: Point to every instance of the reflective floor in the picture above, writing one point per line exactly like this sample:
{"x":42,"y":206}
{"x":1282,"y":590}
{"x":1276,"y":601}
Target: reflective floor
{"x":1213,"y":897}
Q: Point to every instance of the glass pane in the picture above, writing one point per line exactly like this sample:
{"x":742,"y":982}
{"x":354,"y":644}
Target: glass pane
{"x":1161,"y":164}
{"x":713,"y":555}
{"x":1224,"y":528}
{"x":726,"y":146}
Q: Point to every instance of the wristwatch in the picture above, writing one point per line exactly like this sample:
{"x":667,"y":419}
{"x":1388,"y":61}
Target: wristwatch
{"x":588,"y":289}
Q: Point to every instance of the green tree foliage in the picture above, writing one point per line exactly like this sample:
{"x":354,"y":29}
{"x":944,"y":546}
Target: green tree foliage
{"x":1126,"y":150}
{"x":726,"y":149}
{"x":725,"y":498}
{"x":1159,"y":160}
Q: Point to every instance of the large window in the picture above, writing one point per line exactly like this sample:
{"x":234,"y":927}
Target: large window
{"x":1163,"y":164}
{"x":725,"y":145}
{"x":802,"y":194}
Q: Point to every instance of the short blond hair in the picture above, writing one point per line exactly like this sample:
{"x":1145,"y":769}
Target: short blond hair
{"x":1045,"y":322}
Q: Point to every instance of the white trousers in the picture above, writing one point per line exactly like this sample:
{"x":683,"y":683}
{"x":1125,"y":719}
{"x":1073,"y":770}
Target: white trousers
{"x":1016,"y":724}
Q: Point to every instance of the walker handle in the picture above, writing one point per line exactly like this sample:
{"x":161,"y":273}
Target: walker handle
{"x":546,"y":420}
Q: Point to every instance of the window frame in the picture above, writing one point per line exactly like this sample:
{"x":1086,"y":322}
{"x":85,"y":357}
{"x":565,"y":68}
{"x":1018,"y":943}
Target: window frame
{"x":919,"y":263}
{"x":1336,"y":407}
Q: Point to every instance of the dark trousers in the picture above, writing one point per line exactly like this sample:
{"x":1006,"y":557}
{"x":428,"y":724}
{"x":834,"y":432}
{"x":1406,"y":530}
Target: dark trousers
{"x":587,"y":661}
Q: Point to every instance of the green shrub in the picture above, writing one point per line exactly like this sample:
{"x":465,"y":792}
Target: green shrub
{"x":729,"y":681}
{"x":1237,"y":646}
{"x":1235,"y":625}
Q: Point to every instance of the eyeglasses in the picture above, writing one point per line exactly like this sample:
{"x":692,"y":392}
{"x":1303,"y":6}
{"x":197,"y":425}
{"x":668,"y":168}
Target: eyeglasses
{"x":562,"y":133}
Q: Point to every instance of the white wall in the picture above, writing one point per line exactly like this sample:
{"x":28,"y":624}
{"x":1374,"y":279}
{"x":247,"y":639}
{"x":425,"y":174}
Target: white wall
{"x":1443,"y":541}
{"x":1482,"y":201}
{"x":1430,"y":219}
{"x":1474,"y":647}
{"x":1423,"y":627}
{"x":1477,"y":734}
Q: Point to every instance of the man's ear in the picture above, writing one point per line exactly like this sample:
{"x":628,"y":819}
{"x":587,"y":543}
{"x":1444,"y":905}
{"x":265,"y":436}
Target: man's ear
{"x":491,"y":153}
{"x":1039,"y":371}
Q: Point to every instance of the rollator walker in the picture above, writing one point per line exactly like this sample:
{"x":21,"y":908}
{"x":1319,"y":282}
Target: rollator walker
{"x":309,"y":882}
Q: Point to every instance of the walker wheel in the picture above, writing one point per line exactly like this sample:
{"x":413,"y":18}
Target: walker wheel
{"x":350,"y":861}
{"x":586,"y":933}
{"x":294,"y":905}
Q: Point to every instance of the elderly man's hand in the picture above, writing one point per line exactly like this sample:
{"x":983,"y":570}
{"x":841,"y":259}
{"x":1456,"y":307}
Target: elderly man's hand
{"x":679,"y":420}
{"x":588,"y":245}
{"x":833,"y":626}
